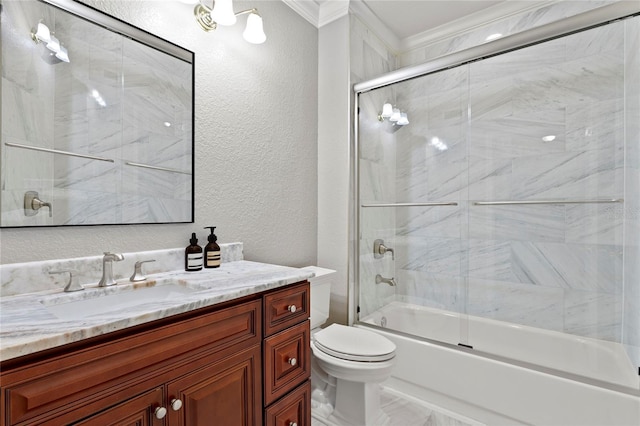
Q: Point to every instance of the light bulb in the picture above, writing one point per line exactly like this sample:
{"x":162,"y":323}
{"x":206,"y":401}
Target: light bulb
{"x":395,"y":116}
{"x":63,"y":54}
{"x":42,"y":33}
{"x":254,"y":33}
{"x":54,"y":44}
{"x":387,"y":110}
{"x":403,"y":120}
{"x":222,"y":12}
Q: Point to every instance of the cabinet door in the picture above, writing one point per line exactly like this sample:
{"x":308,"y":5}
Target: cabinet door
{"x":138,"y":411}
{"x":293,"y":409}
{"x":226,"y":392}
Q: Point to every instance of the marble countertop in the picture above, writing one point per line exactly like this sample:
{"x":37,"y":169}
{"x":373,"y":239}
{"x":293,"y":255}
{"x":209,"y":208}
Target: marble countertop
{"x":27,"y":325}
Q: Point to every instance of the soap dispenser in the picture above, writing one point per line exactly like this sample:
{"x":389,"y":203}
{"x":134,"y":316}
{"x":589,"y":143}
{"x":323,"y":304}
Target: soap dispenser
{"x":193,"y":255}
{"x":212,"y":250}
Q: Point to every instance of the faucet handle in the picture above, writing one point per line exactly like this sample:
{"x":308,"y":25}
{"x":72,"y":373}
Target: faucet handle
{"x":137,"y":271}
{"x":73,"y":284}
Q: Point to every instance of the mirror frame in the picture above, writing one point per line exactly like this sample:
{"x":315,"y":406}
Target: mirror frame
{"x":132,"y":32}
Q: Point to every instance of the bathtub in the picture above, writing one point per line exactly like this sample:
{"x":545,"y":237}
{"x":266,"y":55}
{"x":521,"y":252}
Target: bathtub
{"x":535,"y":376}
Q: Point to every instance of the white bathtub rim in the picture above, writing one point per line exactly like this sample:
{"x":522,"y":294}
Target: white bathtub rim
{"x":628,"y":383}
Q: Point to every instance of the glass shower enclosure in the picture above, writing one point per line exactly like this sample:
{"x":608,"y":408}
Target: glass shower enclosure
{"x":497,"y":201}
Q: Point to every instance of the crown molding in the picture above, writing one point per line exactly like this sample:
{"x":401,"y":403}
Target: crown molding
{"x":308,"y":9}
{"x":375,"y":25}
{"x":326,"y":11}
{"x":319,"y":14}
{"x":331,"y":10}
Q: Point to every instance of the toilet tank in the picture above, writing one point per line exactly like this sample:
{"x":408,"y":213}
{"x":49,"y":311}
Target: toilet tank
{"x":320,"y":294}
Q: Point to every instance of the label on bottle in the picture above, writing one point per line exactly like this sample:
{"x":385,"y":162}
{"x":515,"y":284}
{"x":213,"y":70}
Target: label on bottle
{"x":213,"y":259}
{"x":194,"y":261}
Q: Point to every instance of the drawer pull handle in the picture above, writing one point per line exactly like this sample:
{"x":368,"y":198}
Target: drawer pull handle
{"x":160,"y":412}
{"x":292,"y":361}
{"x":292,"y":308}
{"x":293,"y":424}
{"x":176,"y":404}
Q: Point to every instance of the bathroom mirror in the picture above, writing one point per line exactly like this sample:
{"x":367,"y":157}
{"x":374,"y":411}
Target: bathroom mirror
{"x":96,"y":119}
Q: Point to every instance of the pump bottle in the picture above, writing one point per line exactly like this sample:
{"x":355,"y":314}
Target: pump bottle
{"x":193,"y":255}
{"x":212,"y":250}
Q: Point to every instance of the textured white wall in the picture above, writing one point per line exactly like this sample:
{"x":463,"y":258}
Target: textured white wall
{"x":256,"y":137}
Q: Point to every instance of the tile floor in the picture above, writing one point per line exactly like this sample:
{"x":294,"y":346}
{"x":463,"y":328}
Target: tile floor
{"x":404,"y":410}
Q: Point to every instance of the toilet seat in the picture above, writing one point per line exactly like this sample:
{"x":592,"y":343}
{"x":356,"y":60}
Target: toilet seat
{"x":354,"y":344}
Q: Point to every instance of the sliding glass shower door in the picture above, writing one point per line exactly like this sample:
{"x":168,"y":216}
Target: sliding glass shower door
{"x":506,"y":201}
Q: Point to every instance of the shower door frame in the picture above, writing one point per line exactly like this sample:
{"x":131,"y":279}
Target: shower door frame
{"x":561,"y":28}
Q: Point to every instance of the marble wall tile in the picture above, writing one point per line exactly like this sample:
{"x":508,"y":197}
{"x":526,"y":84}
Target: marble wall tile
{"x":434,"y":290}
{"x":520,"y":222}
{"x":535,"y":306}
{"x":428,"y":222}
{"x":593,"y":314}
{"x":433,"y":255}
{"x":579,"y":174}
{"x":594,"y":224}
{"x":596,"y":268}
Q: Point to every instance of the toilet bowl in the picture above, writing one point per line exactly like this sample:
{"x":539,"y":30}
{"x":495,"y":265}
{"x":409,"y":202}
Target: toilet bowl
{"x":353,"y":363}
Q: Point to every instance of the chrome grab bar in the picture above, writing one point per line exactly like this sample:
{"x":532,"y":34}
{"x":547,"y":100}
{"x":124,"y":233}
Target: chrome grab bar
{"x":148,"y":166}
{"x":57,"y":151}
{"x":507,"y":203}
{"x":411,"y":204}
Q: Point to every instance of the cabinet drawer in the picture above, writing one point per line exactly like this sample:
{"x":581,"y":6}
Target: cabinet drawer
{"x":294,"y":408}
{"x":284,"y":308}
{"x":137,"y":411}
{"x":89,"y":380}
{"x":287,"y":361}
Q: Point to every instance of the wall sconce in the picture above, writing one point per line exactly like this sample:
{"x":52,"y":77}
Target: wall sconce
{"x":42,"y":34}
{"x":394,"y":115}
{"x":221,"y":13}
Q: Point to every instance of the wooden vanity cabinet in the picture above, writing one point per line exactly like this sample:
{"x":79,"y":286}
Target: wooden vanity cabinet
{"x":213,"y":366}
{"x":212,"y":354}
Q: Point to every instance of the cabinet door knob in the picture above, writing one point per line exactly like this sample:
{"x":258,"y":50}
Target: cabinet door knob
{"x":292,"y":361}
{"x":160,"y":412}
{"x":293,"y":424}
{"x":176,"y":404}
{"x":292,"y":308}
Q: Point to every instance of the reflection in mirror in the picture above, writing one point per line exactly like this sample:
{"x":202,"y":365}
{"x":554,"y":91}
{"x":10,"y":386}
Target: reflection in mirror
{"x":96,"y":120}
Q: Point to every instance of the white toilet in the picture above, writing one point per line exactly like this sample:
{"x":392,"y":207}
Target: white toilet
{"x":352,"y":359}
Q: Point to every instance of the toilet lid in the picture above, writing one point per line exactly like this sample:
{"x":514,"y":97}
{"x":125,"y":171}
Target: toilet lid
{"x":354,"y":344}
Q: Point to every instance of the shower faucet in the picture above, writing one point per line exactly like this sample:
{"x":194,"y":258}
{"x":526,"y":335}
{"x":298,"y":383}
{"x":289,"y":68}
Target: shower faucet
{"x":381,"y":279}
{"x":32,"y":204}
{"x":379,"y":250}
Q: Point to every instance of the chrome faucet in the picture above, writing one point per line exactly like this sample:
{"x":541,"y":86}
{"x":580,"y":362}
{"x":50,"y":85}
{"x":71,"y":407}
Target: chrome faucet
{"x":379,"y":250}
{"x":381,"y":279}
{"x":137,"y":271}
{"x":107,"y":268}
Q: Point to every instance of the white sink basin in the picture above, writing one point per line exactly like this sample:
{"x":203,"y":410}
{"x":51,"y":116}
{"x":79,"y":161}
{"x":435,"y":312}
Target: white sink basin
{"x":75,"y":306}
